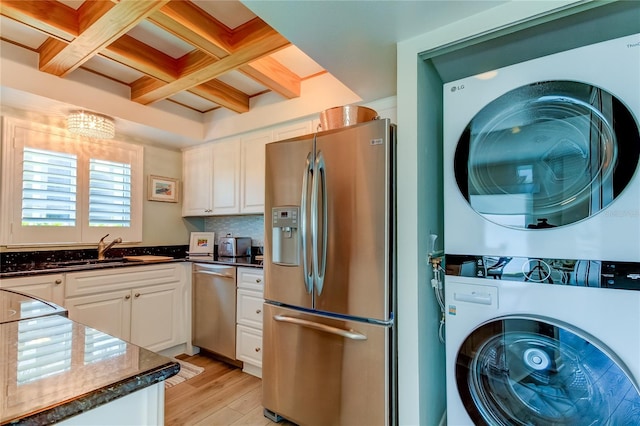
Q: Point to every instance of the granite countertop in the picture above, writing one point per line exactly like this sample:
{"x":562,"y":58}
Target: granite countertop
{"x":55,"y":368}
{"x":31,"y":269}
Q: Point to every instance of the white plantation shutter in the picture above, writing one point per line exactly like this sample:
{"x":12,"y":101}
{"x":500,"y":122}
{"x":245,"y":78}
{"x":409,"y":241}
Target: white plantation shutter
{"x":109,"y":193}
{"x":48,"y":188}
{"x":67,"y":190}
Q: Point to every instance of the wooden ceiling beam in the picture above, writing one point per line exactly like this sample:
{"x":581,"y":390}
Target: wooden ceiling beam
{"x":201,"y":73}
{"x":100,"y":23}
{"x":191,"y":24}
{"x":142,"y":57}
{"x":47,"y":16}
{"x":223,"y":95}
{"x":272,"y":74}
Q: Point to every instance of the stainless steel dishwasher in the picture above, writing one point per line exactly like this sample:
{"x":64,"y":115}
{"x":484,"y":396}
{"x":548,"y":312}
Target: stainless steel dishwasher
{"x":214,"y":309}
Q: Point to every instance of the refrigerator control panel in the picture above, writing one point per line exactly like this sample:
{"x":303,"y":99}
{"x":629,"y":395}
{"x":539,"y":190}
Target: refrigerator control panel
{"x":284,"y":224}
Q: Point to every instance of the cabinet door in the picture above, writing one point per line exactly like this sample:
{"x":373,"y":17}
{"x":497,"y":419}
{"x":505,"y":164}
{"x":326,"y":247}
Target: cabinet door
{"x":226,"y":177}
{"x":155,"y":320}
{"x":249,"y":311}
{"x":49,"y":288}
{"x":197,"y":168}
{"x":252,"y":166}
{"x":292,"y":130}
{"x":249,"y":345}
{"x":108,"y":312}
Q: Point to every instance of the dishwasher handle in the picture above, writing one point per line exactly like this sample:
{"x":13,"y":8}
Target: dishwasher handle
{"x":217,"y":274}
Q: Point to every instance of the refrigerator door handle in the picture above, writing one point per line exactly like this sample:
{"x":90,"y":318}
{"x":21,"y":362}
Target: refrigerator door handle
{"x":304,"y":215}
{"x":349,"y":334}
{"x":319,"y":183}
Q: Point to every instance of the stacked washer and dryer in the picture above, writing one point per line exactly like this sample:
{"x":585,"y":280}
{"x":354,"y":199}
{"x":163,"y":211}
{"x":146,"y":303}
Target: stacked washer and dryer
{"x":542,"y":240}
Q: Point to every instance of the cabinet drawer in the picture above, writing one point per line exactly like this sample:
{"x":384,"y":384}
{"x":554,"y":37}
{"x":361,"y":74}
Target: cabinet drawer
{"x":249,"y":345}
{"x":251,"y":278}
{"x":99,"y":281}
{"x":249,"y":311}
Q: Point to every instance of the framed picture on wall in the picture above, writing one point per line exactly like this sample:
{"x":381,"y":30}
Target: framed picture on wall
{"x":201,"y":243}
{"x":163,"y":189}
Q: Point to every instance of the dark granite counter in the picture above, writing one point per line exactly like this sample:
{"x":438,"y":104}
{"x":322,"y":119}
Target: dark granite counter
{"x":24,"y":264}
{"x":55,"y":368}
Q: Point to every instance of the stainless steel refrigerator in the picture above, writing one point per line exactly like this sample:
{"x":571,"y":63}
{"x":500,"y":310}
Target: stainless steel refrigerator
{"x":329,"y":333}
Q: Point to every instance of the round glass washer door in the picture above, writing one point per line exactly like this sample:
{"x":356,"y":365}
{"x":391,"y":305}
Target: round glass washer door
{"x":547,"y":154}
{"x":527,"y":371}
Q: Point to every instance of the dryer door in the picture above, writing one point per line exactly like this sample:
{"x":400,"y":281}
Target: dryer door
{"x":547,"y":154}
{"x":528,"y":371}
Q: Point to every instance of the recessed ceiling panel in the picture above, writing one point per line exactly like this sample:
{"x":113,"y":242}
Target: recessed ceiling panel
{"x":193,"y":101}
{"x":160,"y":39}
{"x":295,"y":59}
{"x":242,"y":83}
{"x":112,"y":69}
{"x":20,"y":34}
{"x":230,"y":13}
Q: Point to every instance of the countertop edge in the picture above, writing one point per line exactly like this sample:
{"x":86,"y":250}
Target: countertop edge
{"x":82,"y":268}
{"x":98,"y":396}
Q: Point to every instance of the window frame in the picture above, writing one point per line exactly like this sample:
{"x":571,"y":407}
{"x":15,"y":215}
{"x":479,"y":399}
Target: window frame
{"x":18,"y":133}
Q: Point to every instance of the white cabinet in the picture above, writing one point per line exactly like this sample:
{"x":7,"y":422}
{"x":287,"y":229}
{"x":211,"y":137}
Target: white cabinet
{"x":227,"y":177}
{"x":250,"y":286}
{"x":292,"y":130}
{"x":197,"y":183}
{"x":253,"y":166}
{"x":141,"y":304}
{"x":46,"y":287}
{"x":238,"y":174}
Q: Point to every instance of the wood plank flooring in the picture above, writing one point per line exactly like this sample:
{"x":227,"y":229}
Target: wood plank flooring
{"x":221,"y":395}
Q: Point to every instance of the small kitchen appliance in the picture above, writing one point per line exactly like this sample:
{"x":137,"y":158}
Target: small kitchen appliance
{"x":329,"y":329}
{"x":234,"y":246}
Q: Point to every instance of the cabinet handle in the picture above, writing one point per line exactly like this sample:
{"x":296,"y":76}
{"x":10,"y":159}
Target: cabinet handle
{"x":58,"y":281}
{"x":258,"y":280}
{"x":137,"y":294}
{"x":127,"y":297}
{"x":257,"y":349}
{"x":258,"y":311}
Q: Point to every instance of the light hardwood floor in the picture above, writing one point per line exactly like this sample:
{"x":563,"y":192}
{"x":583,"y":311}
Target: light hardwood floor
{"x":220,"y":395}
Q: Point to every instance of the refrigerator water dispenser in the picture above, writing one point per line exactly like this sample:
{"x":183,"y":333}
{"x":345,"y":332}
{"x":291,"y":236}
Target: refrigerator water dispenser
{"x":285,"y":247}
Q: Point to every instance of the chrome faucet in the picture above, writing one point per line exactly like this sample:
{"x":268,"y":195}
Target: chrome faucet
{"x":102,"y":249}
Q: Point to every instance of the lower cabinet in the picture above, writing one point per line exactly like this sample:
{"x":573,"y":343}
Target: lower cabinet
{"x":46,"y":287}
{"x":143,"y":305}
{"x":250,"y":284}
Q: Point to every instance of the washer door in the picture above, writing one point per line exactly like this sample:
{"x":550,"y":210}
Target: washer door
{"x":547,"y":154}
{"x":526,"y":371}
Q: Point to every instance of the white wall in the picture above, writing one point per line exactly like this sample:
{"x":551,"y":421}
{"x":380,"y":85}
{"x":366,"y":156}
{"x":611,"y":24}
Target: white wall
{"x":421,"y":367}
{"x":162,"y":222}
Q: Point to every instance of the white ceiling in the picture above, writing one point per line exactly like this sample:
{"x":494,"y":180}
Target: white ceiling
{"x":355,"y":41}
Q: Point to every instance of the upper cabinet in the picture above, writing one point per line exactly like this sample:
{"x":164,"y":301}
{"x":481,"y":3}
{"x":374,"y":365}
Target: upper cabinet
{"x":197,"y":166}
{"x":227,"y":177}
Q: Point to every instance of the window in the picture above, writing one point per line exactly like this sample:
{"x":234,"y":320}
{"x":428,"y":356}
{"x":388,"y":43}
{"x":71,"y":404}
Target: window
{"x":63,"y":190}
{"x":49,"y":184}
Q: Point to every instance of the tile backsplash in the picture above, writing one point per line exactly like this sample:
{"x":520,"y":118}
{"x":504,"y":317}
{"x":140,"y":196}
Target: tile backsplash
{"x":238,"y":226}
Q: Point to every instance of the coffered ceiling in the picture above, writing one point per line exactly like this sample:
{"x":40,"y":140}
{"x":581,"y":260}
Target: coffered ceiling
{"x":201,"y":55}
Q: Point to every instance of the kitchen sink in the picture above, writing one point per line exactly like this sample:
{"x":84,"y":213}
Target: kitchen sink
{"x":88,"y":262}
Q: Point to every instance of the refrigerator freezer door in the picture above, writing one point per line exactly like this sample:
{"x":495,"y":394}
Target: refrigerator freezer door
{"x":355,"y":182}
{"x":286,"y":166}
{"x":342,"y":378}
